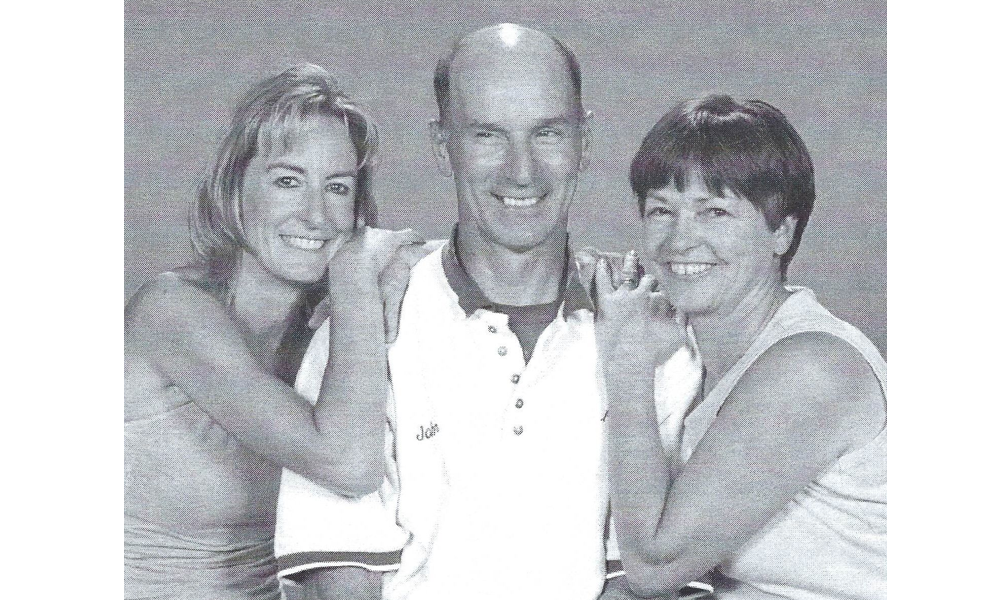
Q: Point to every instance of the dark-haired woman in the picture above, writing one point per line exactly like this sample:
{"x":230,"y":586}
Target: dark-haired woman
{"x":774,"y":478}
{"x":212,"y":349}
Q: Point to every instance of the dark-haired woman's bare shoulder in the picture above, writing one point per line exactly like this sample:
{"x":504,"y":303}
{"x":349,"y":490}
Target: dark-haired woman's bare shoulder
{"x":151,"y":314}
{"x":822,"y":382}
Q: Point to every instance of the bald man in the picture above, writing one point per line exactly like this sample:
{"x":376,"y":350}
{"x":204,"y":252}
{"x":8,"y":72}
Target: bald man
{"x":497,"y":482}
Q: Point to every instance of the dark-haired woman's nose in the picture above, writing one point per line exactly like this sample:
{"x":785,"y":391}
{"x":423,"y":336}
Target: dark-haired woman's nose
{"x":684,"y":235}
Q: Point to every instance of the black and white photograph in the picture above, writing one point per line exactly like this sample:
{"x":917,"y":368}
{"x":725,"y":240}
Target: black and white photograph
{"x":557,"y":299}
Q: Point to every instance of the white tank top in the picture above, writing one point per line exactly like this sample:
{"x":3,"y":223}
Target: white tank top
{"x":830,"y":540}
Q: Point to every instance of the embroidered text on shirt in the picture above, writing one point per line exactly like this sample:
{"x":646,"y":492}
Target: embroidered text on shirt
{"x":429,"y":432}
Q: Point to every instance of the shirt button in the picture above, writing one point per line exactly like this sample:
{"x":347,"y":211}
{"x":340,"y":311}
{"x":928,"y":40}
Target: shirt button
{"x":502,"y":350}
{"x":515,"y":378}
{"x":518,"y":430}
{"x":492,"y":329}
{"x":519,"y":403}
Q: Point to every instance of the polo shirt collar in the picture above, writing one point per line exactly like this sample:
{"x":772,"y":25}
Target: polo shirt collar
{"x":471,"y":296}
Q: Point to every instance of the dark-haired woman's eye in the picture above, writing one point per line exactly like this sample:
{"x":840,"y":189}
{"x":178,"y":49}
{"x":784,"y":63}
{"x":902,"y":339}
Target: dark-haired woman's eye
{"x":657,"y":211}
{"x":718,"y":212}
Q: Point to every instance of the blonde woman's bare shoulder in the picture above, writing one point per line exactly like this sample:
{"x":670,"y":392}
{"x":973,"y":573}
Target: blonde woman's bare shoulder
{"x":160,"y":310}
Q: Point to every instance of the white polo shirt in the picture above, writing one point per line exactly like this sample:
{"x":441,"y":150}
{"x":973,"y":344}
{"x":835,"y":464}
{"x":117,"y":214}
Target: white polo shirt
{"x":500,"y":467}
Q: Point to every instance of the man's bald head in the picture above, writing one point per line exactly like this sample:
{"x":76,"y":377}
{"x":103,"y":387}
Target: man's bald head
{"x":501,"y":44}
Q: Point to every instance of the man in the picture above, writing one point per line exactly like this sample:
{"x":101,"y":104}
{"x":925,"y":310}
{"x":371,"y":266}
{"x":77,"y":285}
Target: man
{"x":497,"y":421}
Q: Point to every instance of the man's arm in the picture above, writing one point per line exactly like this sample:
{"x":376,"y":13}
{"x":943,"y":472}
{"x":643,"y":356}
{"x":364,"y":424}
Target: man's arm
{"x":329,"y":546}
{"x":334,"y":583}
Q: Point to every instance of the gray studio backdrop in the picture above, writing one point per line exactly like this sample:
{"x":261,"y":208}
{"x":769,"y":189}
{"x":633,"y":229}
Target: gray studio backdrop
{"x":822,"y":63}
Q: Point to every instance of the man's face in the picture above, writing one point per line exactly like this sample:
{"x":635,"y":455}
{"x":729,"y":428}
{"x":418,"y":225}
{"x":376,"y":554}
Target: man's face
{"x":515,"y":140}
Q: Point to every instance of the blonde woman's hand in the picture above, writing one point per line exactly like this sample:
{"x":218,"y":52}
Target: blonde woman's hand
{"x":365,"y":255}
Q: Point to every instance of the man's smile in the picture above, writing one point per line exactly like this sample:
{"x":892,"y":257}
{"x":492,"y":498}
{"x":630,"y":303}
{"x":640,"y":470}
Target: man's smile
{"x":519,"y":202}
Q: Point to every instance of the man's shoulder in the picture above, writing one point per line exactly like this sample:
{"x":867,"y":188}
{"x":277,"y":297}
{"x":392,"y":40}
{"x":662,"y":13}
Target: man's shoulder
{"x":433,"y":258}
{"x":428,"y":272}
{"x":427,"y":290}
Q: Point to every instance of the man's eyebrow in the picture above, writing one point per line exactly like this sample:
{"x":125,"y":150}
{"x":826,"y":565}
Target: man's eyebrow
{"x":486,"y":126}
{"x":551,"y":121}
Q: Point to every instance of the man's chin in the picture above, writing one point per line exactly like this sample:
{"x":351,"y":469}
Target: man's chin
{"x":520,"y":245}
{"x":521,"y":241}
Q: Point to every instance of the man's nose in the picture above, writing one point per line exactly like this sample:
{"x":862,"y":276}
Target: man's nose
{"x":520,"y":163}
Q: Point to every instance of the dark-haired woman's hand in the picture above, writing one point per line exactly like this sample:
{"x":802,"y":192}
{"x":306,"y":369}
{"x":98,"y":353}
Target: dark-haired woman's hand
{"x":635,"y":324}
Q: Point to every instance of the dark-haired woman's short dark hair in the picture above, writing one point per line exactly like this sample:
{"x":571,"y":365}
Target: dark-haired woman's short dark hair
{"x":747,"y":147}
{"x":273,"y":112}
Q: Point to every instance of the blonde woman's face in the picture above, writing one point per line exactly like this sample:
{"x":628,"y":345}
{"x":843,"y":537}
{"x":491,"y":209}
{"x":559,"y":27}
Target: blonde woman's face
{"x":298,"y":201}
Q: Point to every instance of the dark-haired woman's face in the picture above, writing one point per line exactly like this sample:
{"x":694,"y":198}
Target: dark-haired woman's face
{"x":298,"y":201}
{"x":710,"y":252}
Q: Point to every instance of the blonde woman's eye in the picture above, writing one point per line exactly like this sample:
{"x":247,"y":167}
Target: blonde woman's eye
{"x":286,"y":181}
{"x":718,"y":212}
{"x":338,"y":188}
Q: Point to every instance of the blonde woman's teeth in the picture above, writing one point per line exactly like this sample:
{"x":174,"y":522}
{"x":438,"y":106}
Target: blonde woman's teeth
{"x":689,"y":268}
{"x":303,"y":243}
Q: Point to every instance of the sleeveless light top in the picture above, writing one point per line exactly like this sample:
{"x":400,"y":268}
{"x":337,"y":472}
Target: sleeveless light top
{"x":199,"y":511}
{"x":830,"y":540}
{"x":199,"y":506}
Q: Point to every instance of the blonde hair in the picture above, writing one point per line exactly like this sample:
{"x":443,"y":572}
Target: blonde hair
{"x":270,"y":113}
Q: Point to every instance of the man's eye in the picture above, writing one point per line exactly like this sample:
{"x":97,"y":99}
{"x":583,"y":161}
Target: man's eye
{"x":286,"y":181}
{"x":336,"y":187}
{"x":549,"y":132}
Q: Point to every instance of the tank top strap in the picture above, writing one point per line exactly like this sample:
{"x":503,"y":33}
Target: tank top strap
{"x":800,"y":313}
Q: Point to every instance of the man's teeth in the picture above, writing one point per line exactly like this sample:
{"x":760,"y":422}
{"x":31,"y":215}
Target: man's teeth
{"x":303,"y":243}
{"x":689,"y":268}
{"x":520,"y":202}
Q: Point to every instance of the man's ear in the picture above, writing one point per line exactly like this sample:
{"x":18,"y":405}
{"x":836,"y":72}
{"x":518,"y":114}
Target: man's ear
{"x":439,"y":145}
{"x":782,"y":236}
{"x":585,"y":150}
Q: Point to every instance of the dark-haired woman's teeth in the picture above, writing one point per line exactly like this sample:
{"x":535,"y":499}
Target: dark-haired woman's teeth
{"x":303,"y":243}
{"x":520,"y":202}
{"x":689,"y":268}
